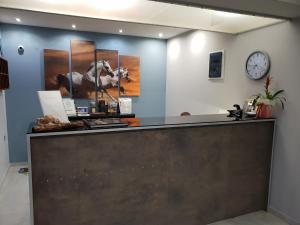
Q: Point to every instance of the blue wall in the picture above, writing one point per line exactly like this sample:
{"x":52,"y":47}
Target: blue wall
{"x":27,"y":77}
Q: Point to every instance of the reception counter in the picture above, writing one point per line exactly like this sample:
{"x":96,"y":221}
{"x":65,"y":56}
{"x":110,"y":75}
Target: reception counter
{"x":157,"y":171}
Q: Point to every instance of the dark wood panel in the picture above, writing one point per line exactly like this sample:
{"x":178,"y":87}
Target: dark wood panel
{"x":248,"y":168}
{"x":194,"y":175}
{"x":55,"y":173}
{"x":197,"y":184}
{"x":132,"y":180}
{"x":4,"y":80}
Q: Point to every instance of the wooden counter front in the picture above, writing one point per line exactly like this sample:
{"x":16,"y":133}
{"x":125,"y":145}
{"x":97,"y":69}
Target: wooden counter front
{"x":189,"y":175}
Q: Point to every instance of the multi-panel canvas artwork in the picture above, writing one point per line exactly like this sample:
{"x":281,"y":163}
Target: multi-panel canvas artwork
{"x":56,"y":67}
{"x":83,"y":65}
{"x":116,"y":75}
{"x":129,"y":75}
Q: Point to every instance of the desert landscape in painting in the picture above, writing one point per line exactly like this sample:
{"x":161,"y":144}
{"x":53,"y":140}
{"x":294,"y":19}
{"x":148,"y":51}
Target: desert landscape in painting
{"x":83,"y":55}
{"x":131,"y":83}
{"x":56,"y":64}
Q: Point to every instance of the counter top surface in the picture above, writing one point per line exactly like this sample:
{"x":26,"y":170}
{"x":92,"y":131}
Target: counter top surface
{"x":162,"y":122}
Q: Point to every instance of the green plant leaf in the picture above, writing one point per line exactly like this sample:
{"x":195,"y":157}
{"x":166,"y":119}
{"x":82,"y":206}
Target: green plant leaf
{"x":282,"y":103}
{"x":277,"y":93}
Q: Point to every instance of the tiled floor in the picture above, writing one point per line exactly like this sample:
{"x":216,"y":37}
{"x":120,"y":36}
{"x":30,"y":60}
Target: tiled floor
{"x":14,"y":205}
{"x":14,"y":199}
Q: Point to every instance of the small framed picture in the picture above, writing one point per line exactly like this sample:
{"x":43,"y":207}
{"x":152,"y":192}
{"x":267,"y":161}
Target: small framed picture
{"x":82,"y":111}
{"x":216,"y":65}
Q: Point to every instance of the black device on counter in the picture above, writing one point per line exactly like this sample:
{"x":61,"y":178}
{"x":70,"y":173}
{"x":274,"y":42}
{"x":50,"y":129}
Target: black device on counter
{"x":237,"y":113}
{"x":102,"y":106}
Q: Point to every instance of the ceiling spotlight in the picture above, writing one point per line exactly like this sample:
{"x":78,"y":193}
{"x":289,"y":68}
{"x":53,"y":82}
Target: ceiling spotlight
{"x":160,"y":35}
{"x":18,"y":20}
{"x":121,"y":31}
{"x":74,"y":26}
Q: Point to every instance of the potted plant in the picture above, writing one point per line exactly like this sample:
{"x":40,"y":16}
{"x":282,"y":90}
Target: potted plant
{"x":267,"y":100}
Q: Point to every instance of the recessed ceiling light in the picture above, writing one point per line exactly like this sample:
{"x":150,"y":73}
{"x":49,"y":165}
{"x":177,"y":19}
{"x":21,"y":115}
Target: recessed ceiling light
{"x":18,"y":20}
{"x":74,"y":26}
{"x":160,"y":35}
{"x":120,"y":31}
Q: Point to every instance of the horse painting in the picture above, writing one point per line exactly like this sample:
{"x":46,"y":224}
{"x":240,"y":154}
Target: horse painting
{"x":131,"y":85}
{"x":85,"y":84}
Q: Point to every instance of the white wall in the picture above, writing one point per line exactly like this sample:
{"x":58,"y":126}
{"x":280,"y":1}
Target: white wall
{"x":283,"y":44}
{"x":188,"y":89}
{"x":4,"y":157}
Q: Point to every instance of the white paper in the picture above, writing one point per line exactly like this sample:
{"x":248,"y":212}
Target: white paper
{"x":52,"y":105}
{"x":69,"y":106}
{"x":125,"y":105}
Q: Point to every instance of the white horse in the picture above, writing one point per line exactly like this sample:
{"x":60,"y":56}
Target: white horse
{"x":106,"y":77}
{"x":124,"y":74}
{"x":109,"y":79}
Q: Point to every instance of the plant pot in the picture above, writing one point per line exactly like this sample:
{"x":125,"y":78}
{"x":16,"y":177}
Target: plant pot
{"x":264,"y":111}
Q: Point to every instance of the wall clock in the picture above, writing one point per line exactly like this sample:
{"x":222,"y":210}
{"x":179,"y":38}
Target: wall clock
{"x":258,"y":65}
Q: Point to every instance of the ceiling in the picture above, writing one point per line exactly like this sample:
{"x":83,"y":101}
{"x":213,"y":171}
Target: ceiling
{"x":287,"y":9}
{"x":135,"y":17}
{"x":87,"y":24}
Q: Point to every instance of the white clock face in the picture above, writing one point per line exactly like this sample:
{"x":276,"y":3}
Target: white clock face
{"x":258,"y":65}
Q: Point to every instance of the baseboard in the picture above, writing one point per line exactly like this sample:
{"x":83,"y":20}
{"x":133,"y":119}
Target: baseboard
{"x":283,"y":216}
{"x":19,"y":164}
